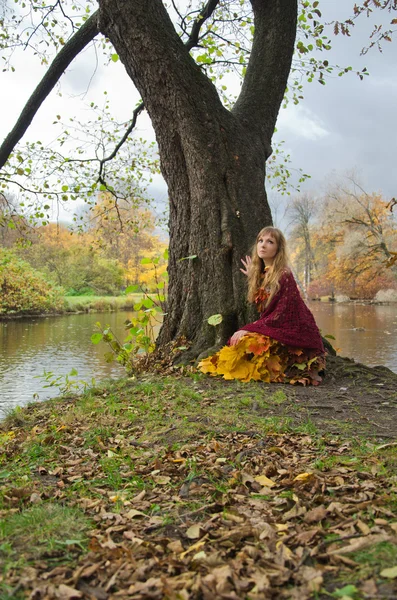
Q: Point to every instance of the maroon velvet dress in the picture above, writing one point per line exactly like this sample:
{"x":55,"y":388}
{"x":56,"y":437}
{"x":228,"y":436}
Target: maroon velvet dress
{"x":283,"y":345}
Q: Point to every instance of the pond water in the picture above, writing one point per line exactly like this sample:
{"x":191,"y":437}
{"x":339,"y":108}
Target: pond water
{"x":28,"y":347}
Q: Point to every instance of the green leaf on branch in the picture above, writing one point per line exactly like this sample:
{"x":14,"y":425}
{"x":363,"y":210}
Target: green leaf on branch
{"x":215,"y":320}
{"x":96,"y":338}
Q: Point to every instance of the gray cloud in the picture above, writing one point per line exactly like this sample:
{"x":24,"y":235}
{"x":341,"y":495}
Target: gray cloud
{"x":355,"y":120}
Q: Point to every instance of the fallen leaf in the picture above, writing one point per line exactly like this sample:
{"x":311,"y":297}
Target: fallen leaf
{"x":390,"y":573}
{"x":316,"y":514}
{"x":195,"y":546}
{"x":265,"y":481}
{"x":162,"y":479}
{"x":68,"y":593}
{"x":133,"y":513}
{"x":303,"y":477}
{"x":194,"y":532}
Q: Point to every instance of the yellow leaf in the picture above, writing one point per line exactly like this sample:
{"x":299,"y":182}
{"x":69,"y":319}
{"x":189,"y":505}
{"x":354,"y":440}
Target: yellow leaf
{"x":303,"y":476}
{"x":195,"y":546}
{"x":389,"y":573}
{"x":265,"y":481}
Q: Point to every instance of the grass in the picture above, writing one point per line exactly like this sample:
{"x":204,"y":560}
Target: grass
{"x":47,"y":531}
{"x":100,"y":303}
{"x":109,"y":446}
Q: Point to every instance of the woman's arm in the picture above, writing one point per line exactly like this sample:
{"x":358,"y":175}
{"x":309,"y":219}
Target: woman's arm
{"x":236,"y":337}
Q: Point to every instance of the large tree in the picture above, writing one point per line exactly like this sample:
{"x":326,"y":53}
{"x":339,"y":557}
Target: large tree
{"x":212,"y":158}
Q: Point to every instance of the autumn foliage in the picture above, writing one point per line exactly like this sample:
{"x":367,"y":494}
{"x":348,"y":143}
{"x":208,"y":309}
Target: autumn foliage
{"x":347,"y":246}
{"x":260,"y":358}
{"x":24,"y":290}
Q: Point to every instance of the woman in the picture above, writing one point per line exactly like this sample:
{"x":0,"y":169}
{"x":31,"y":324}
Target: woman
{"x":284,"y":344}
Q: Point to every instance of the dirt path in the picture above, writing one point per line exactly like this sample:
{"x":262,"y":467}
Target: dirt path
{"x":352,"y":400}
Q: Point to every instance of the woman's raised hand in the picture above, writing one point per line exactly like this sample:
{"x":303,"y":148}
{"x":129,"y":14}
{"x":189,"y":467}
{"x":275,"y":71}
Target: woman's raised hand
{"x":236,"y":337}
{"x":247,"y":263}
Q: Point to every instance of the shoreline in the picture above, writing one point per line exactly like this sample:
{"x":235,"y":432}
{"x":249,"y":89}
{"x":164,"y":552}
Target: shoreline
{"x":114,"y":307}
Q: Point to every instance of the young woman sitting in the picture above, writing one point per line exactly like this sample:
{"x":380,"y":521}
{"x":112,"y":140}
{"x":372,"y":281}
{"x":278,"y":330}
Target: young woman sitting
{"x":284,"y":344}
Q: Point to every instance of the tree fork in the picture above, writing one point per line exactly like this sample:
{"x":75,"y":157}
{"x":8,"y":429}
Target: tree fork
{"x":213,"y":160}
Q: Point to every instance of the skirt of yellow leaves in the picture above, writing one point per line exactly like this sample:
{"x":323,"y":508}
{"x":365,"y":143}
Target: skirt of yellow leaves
{"x":261,"y":358}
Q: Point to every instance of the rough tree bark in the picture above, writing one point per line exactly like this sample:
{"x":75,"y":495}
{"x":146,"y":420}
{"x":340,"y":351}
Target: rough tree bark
{"x":212,"y":159}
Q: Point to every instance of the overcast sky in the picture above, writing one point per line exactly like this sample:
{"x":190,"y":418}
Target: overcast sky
{"x":347,"y":124}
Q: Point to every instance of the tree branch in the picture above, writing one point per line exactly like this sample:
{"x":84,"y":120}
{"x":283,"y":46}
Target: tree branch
{"x":70,"y":50}
{"x":269,"y":65}
{"x":204,"y":15}
{"x":131,"y":126}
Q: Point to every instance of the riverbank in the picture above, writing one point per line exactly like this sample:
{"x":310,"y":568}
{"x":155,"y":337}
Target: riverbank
{"x":84,"y":304}
{"x":191,"y":487}
{"x":100,"y":304}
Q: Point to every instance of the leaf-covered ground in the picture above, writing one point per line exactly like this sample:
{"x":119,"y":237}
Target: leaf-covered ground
{"x":195,"y":488}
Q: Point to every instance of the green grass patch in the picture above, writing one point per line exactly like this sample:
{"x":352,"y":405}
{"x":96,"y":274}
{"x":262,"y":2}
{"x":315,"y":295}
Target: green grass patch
{"x":42,"y":530}
{"x":101,"y":303}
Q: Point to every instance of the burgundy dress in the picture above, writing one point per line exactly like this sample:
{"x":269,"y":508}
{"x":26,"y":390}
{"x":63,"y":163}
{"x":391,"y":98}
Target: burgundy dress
{"x":288,"y":319}
{"x":284,"y":345}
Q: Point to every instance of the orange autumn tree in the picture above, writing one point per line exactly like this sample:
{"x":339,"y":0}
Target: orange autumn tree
{"x":126,"y":231}
{"x":72,"y":261}
{"x":357,"y":237}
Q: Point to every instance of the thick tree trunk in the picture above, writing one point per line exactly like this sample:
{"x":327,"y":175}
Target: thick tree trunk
{"x":213,"y":160}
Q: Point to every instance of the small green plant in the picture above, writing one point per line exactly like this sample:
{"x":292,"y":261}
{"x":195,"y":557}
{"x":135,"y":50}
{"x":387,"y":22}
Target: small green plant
{"x":66,"y":384}
{"x":150,"y":310}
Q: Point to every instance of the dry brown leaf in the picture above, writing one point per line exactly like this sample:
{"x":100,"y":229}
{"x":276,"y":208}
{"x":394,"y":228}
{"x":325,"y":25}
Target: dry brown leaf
{"x":162,"y":479}
{"x":194,"y":531}
{"x":65,"y":592}
{"x":316,"y":514}
{"x":134,"y":514}
{"x":175,"y":546}
{"x":363,"y":527}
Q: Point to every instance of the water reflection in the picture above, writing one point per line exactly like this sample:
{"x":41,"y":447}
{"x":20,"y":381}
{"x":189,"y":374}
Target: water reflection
{"x":367,"y":333}
{"x":58,"y":344}
{"x":28,"y":347}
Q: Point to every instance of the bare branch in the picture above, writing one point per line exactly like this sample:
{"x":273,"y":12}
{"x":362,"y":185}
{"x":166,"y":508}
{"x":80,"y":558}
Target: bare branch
{"x":70,"y":50}
{"x":204,"y":15}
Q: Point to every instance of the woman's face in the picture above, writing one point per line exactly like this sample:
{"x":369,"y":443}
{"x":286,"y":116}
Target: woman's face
{"x":266,"y":248}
